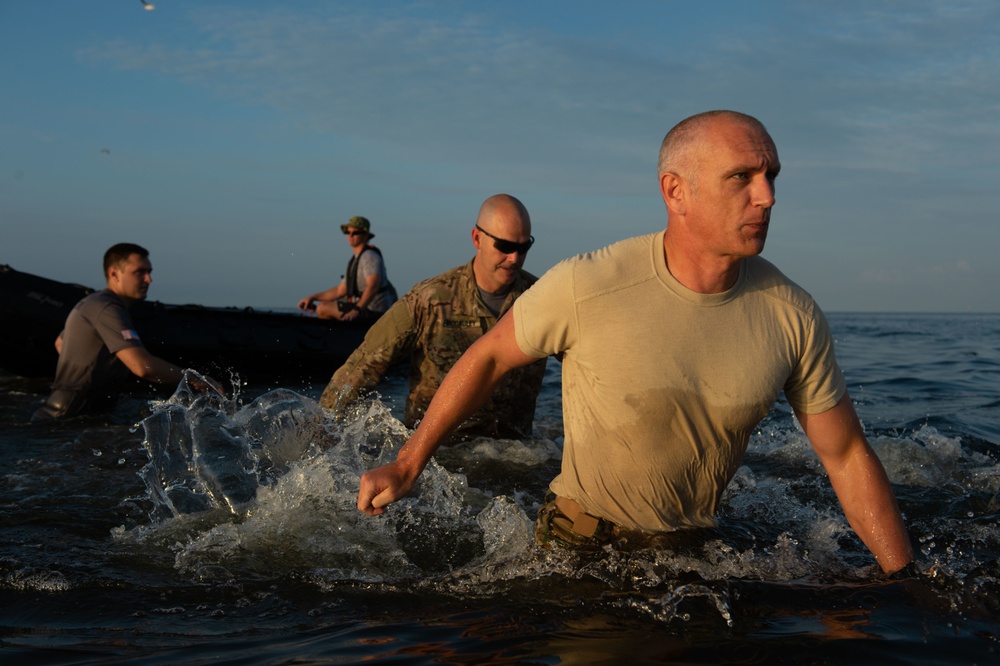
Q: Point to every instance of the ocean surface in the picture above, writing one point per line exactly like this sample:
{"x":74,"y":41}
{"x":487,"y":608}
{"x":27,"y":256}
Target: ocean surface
{"x":186,"y":528}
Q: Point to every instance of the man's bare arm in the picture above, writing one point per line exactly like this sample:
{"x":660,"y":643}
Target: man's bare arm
{"x":144,"y":365}
{"x":372,"y":284}
{"x":860,"y":482}
{"x":154,"y":369}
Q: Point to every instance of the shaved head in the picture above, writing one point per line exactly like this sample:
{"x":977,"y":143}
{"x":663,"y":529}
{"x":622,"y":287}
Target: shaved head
{"x":679,"y":151}
{"x":505,"y":205}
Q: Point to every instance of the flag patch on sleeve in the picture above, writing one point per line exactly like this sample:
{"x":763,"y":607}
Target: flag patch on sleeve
{"x":129,"y":334}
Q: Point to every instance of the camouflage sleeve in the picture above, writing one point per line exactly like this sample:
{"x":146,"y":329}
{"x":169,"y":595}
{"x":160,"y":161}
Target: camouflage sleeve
{"x":388,"y":341}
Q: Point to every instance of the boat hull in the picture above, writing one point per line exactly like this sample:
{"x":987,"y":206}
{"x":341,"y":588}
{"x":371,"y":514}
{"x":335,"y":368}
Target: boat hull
{"x":255,"y":345}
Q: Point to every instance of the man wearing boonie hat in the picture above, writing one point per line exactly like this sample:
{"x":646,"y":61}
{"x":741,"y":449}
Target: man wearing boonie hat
{"x":364,"y":290}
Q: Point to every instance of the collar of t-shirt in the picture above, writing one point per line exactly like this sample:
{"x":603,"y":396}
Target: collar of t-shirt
{"x":493,"y":302}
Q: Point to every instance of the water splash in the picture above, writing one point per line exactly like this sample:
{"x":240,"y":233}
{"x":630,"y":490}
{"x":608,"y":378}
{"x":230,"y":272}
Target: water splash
{"x":270,"y":489}
{"x":207,"y":453}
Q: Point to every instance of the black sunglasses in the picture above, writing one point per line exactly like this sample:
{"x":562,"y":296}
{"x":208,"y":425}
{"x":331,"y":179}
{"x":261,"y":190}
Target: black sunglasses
{"x":507,"y":246}
{"x":356,"y":232}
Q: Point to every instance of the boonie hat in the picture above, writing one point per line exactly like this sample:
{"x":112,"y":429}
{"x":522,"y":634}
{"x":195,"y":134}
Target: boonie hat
{"x":358,"y":222}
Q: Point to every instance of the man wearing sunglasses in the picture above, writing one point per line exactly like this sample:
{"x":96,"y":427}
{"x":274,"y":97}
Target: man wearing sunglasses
{"x":440,"y":318}
{"x":364,"y":290}
{"x":674,"y":346}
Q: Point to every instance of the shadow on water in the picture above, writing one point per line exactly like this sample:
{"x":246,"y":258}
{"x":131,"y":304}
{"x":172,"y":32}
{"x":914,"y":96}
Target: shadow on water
{"x":223,"y":531}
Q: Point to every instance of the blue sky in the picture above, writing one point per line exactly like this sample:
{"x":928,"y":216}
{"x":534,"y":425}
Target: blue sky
{"x":233,"y":138}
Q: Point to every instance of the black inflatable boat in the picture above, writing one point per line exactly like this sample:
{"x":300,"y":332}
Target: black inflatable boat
{"x":258,"y":345}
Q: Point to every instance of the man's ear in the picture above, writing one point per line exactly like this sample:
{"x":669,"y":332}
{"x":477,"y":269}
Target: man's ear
{"x":673,"y":189}
{"x":114,"y":274}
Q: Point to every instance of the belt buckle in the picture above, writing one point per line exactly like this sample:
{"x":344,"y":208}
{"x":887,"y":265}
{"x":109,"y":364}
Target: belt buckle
{"x":582,"y":523}
{"x":585,"y":524}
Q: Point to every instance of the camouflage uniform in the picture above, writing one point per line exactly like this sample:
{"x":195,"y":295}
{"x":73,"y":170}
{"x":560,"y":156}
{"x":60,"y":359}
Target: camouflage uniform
{"x":433,"y":325}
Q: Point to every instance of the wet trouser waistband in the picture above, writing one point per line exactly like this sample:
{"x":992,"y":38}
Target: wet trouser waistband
{"x":564,"y":522}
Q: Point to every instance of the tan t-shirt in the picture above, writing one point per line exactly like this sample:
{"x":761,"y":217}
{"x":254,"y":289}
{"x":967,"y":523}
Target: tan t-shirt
{"x":662,"y":386}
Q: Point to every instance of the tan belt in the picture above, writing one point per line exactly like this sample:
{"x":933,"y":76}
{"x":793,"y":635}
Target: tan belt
{"x":583,"y":523}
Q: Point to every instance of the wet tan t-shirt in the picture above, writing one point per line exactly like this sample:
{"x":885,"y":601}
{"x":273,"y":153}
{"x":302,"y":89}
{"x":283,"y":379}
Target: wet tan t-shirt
{"x":662,"y":386}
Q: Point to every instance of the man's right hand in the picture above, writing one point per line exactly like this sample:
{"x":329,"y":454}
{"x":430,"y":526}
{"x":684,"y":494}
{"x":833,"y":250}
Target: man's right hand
{"x":383,"y":486}
{"x":201,"y":386}
{"x":465,"y":388}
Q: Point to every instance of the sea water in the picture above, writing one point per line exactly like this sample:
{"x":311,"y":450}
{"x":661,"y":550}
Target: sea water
{"x":196,"y":528}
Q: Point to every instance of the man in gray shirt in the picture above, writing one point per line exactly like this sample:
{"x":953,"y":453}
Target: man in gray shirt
{"x":99,"y":345}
